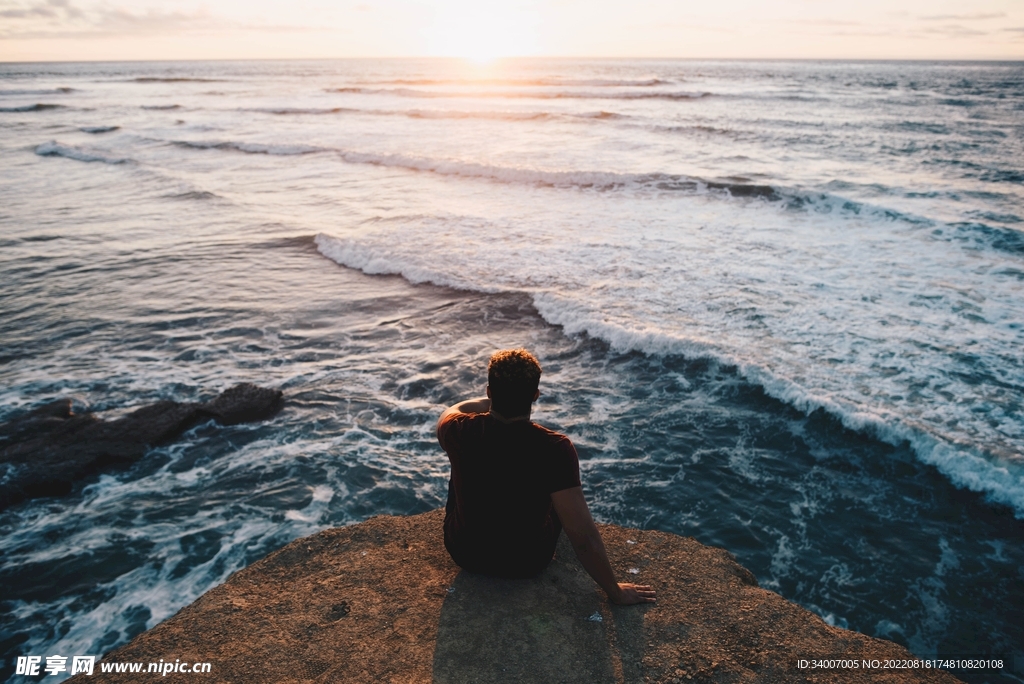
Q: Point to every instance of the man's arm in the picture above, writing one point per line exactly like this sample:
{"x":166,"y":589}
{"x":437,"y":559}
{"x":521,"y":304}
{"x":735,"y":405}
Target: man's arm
{"x":479,"y":405}
{"x":586,"y":541}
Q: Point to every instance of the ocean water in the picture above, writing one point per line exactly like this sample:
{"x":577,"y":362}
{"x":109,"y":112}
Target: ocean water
{"x":779,"y":305}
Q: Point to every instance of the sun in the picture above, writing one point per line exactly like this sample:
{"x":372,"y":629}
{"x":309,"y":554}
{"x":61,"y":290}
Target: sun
{"x":480,"y":34}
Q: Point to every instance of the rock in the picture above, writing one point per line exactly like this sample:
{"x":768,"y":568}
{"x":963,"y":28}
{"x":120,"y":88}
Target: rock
{"x":382,"y":602}
{"x":244,"y":403}
{"x":47,"y":450}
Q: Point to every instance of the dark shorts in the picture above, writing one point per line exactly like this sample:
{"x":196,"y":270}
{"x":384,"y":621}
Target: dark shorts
{"x":506,"y":560}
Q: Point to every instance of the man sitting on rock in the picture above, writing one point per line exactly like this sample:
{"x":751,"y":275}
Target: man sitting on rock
{"x":515,"y":485}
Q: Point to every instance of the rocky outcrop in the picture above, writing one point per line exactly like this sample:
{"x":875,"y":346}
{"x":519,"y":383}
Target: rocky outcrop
{"x":45,"y":451}
{"x":382,"y":602}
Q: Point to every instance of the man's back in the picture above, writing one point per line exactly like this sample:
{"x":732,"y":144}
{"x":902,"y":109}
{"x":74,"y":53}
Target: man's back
{"x":515,"y":484}
{"x":500,"y":519}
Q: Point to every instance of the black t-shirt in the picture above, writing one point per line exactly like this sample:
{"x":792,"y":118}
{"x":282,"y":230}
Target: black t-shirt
{"x":499,"y":519}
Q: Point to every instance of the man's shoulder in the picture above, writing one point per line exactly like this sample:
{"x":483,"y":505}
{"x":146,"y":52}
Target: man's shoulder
{"x":548,"y":432}
{"x":458,"y":417}
{"x":456,"y":421}
{"x":553,"y":438}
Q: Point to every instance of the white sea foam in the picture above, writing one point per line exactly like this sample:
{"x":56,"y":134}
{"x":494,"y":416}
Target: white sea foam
{"x":604,"y":289}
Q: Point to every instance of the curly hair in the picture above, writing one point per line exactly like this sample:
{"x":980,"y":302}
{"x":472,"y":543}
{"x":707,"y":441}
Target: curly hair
{"x":513,"y":376}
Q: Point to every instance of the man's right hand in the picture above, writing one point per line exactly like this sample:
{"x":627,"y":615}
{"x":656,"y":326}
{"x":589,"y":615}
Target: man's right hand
{"x":573,"y":512}
{"x":631,"y":594}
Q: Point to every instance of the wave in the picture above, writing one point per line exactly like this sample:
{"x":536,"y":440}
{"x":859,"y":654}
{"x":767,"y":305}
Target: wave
{"x":497,"y":116}
{"x":162,"y":107}
{"x":55,"y":149}
{"x":534,"y":94}
{"x":96,"y":130}
{"x":1000,"y":239}
{"x":697,"y":128}
{"x":43,"y":91}
{"x":602,"y":115}
{"x":442,"y":113}
{"x":193,"y":195}
{"x":963,"y":466}
{"x":598,"y":180}
{"x":288,"y":111}
{"x":589,"y":180}
{"x":988,"y":174}
{"x":248,"y":148}
{"x":529,"y":82}
{"x":32,"y":108}
{"x":174,"y":79}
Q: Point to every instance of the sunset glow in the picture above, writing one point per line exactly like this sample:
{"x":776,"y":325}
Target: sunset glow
{"x":52,"y":30}
{"x":480,"y":34}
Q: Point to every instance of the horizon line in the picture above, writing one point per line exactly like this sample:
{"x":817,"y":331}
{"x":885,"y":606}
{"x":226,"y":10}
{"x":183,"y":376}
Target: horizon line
{"x":1019,"y":59}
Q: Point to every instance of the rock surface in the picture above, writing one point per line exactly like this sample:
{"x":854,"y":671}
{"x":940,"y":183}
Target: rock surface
{"x":44,"y":452}
{"x":382,"y":602}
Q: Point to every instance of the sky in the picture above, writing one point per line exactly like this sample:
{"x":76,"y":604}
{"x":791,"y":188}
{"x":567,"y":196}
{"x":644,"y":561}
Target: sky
{"x":73,"y":30}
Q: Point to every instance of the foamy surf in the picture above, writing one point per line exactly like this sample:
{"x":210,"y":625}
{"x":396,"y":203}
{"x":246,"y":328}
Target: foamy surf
{"x":999,"y":473}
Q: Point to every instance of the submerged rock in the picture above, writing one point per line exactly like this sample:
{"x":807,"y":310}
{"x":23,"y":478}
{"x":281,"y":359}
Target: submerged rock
{"x":44,"y":452}
{"x":381,"y":601}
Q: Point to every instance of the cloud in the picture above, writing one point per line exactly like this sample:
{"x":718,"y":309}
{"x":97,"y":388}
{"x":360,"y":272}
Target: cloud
{"x":829,"y":22}
{"x":48,"y":9}
{"x":62,"y":19}
{"x":977,"y":16}
{"x":27,"y":13}
{"x":865,"y":32}
{"x":953,"y":31}
{"x":687,"y":26}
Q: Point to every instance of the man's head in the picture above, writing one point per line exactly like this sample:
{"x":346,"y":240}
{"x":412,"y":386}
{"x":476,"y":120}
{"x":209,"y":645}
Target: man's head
{"x":513,"y":376}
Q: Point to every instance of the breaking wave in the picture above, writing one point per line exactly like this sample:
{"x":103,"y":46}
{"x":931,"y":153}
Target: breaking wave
{"x":249,"y":148}
{"x":38,"y":91}
{"x":1001,"y":481}
{"x":1000,"y":239}
{"x":536,"y":94}
{"x":32,"y":108}
{"x":193,"y":195}
{"x":445,"y":113}
{"x":56,"y":149}
{"x":528,"y":82}
{"x":173,"y":79}
{"x":96,"y":130}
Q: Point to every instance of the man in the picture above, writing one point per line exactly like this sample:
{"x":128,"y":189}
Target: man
{"x":515,"y":485}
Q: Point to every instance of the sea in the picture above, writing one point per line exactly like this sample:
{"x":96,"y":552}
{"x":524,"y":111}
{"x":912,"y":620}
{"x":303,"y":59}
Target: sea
{"x":779,"y":306}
